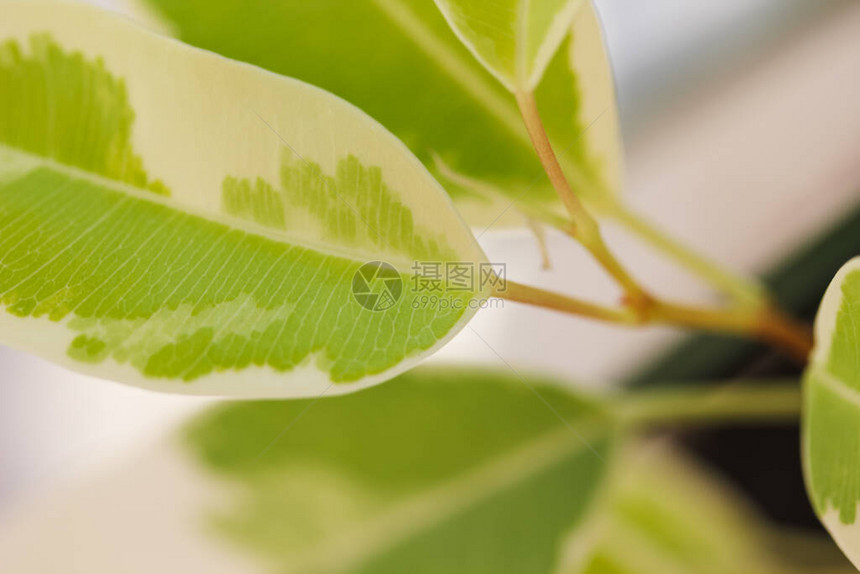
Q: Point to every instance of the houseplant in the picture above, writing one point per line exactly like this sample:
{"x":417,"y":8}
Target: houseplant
{"x":300,"y":249}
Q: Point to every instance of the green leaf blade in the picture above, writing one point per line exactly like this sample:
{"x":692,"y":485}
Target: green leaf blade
{"x":232,"y":271}
{"x":831,"y":421}
{"x":443,"y":470}
{"x":450,"y":469}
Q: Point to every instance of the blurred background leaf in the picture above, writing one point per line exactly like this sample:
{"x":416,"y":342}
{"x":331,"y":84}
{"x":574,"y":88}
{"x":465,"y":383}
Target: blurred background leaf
{"x":443,"y":470}
{"x":668,"y":514}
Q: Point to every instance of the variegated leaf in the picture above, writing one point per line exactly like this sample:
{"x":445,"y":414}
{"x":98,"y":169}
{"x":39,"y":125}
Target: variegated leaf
{"x":831,"y":418}
{"x":175,"y":220}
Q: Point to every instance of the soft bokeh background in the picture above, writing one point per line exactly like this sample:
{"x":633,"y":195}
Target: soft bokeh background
{"x":741,"y":121}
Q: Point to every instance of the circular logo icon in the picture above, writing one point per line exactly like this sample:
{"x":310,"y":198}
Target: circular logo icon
{"x":377,"y":286}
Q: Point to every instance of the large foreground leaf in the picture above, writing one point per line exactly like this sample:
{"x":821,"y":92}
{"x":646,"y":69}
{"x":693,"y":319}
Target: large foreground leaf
{"x":440,"y":471}
{"x":178,"y":221}
{"x":831,"y":422}
{"x":399,"y":61}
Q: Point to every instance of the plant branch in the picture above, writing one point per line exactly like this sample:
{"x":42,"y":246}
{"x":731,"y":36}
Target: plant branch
{"x":738,"y":402}
{"x":583,"y":227}
{"x":745,"y":292}
{"x":529,"y":295}
{"x":768,"y":324}
{"x":752,"y":317}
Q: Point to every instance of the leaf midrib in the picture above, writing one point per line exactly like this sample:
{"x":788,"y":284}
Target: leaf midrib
{"x":522,"y":41}
{"x":837,"y":385}
{"x":245,"y":226}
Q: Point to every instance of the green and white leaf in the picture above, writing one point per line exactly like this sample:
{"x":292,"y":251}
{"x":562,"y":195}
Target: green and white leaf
{"x":440,"y":471}
{"x":513,"y":39}
{"x":399,"y":61}
{"x":178,"y":221}
{"x":831,"y":418}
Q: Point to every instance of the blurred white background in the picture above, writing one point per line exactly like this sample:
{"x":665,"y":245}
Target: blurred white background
{"x":742,"y":125}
